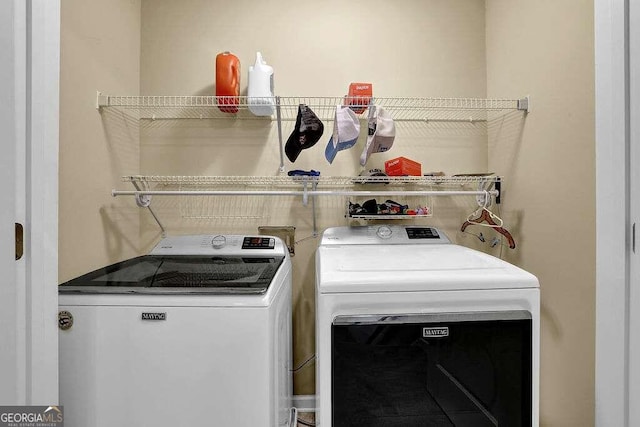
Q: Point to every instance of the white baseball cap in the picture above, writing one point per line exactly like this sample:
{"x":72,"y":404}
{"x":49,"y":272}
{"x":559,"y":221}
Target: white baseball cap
{"x":382,"y":132}
{"x":346,"y":129}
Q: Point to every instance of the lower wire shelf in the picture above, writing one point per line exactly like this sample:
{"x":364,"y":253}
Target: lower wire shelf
{"x":388,"y":217}
{"x":416,"y":192}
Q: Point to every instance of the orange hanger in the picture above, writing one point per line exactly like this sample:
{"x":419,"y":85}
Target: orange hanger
{"x":486,"y":216}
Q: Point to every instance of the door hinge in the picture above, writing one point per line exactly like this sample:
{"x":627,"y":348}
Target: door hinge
{"x":633,"y":237}
{"x":19,"y":241}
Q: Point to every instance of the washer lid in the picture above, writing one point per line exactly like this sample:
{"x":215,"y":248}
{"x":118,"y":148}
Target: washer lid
{"x":180,"y":274}
{"x":394,"y":268}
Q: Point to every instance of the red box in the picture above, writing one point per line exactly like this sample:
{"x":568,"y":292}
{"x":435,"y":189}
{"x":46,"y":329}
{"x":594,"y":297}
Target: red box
{"x":401,"y":166}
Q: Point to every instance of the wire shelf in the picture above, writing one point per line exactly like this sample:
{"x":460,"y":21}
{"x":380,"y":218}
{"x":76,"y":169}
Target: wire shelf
{"x":401,"y":109}
{"x":416,"y":208}
{"x":202,"y":192}
{"x":321,"y":181}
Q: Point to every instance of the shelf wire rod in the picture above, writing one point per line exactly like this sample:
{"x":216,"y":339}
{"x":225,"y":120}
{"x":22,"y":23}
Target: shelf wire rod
{"x":311,"y":193}
{"x":325,"y":182}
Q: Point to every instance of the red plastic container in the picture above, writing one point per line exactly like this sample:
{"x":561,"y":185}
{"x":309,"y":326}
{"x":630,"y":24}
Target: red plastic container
{"x":227,"y":82}
{"x":359,"y":94}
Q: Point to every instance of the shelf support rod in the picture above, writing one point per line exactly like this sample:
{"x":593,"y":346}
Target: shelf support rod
{"x":314,"y":187}
{"x":146,"y":202}
{"x":279,"y":121}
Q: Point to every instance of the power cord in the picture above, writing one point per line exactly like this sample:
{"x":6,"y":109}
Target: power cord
{"x":305,"y":363}
{"x":306,"y":423}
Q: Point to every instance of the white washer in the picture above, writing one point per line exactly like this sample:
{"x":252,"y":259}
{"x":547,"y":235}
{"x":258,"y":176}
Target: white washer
{"x":196,"y":333}
{"x":412,"y":330}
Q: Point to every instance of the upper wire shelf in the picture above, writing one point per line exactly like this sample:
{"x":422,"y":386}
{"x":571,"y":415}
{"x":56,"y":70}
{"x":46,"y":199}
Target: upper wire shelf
{"x":401,"y":109}
{"x":320,"y":181}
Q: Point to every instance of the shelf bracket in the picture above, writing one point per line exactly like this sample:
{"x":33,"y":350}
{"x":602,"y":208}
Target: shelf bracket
{"x":486,"y":185}
{"x":101,"y":100}
{"x":483,"y":199}
{"x":305,"y":194}
{"x":524,"y":104}
{"x":144,"y":201}
{"x":305,"y":200}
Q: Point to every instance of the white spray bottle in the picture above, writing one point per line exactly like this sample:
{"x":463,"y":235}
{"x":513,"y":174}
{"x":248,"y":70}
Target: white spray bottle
{"x":260,"y":91}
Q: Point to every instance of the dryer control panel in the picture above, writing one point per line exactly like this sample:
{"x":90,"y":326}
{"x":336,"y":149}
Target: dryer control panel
{"x":383,"y":234}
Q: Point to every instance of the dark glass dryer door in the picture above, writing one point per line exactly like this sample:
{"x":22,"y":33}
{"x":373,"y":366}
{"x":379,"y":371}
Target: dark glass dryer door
{"x":180,"y":274}
{"x":463,"y":370}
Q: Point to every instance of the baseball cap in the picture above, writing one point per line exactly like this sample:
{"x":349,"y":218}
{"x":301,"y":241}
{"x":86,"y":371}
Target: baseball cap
{"x":346,"y":128}
{"x":382,"y":132}
{"x":307,"y":132}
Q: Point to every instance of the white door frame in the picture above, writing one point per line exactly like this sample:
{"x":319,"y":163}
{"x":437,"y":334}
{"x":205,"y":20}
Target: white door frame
{"x":612,"y":213}
{"x":633,"y":289}
{"x":43,"y":101}
{"x":32,"y":117}
{"x":12,"y":369}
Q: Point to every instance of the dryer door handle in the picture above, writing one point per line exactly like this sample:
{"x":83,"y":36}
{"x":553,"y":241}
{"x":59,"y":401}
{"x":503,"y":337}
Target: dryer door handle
{"x":398,"y":319}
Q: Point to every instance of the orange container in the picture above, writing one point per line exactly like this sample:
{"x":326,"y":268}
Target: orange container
{"x":359,"y":94}
{"x":401,"y":166}
{"x":227,"y":82}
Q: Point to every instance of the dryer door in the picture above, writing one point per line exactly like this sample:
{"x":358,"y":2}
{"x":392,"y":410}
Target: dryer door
{"x":471,"y":369}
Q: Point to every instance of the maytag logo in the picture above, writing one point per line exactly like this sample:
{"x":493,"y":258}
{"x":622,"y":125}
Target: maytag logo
{"x":435,"y":332}
{"x":154,"y":316}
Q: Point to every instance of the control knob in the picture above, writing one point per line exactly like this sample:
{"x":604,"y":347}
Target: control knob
{"x":218,"y":242}
{"x":384,"y":232}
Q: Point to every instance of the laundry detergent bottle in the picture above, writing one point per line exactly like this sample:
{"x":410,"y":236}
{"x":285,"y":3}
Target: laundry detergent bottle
{"x":260,"y":91}
{"x":227,"y":82}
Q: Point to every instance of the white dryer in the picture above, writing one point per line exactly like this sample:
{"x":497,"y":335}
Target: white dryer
{"x":197,"y":333}
{"x":412,"y":330}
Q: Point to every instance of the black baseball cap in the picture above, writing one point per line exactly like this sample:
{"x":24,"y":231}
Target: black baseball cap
{"x":307,"y":132}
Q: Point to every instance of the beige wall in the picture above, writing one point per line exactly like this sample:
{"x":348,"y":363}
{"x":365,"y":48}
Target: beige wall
{"x":100,"y":50}
{"x":409,"y":48}
{"x":406,"y":48}
{"x":545,"y":48}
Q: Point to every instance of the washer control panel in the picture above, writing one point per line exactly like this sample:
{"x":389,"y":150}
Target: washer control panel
{"x":258,"y":243}
{"x":422,"y":233}
{"x":383,"y":234}
{"x":221,"y":245}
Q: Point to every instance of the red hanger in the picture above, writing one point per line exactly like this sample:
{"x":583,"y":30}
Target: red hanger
{"x":487,"y":216}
